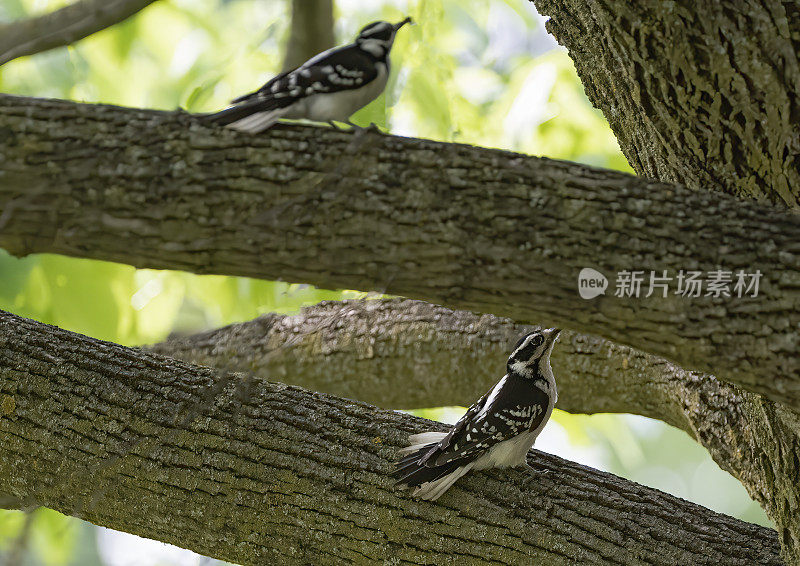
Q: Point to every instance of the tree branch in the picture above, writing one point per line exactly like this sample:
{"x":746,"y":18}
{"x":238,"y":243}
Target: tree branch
{"x":8,"y":502}
{"x":63,"y":27}
{"x":457,"y":225}
{"x":702,"y":94}
{"x":311,"y":32}
{"x":400,"y":353}
{"x":364,"y":349}
{"x":255,"y":472}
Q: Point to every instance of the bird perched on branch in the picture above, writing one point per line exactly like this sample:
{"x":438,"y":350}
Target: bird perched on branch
{"x":496,"y":432}
{"x":328,"y":87}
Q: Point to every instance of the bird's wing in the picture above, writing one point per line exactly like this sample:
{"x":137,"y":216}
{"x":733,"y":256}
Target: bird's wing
{"x":335,"y":70}
{"x":493,"y":418}
{"x":265,"y":88}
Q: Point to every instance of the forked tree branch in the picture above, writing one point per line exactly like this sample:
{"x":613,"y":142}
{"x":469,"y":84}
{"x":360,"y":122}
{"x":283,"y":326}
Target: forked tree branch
{"x":457,"y":225}
{"x":400,"y":353}
{"x":64,"y":26}
{"x":254,"y":472}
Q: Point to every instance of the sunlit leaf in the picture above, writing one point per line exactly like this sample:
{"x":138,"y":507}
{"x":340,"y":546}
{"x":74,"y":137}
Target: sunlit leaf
{"x":372,"y":113}
{"x":53,"y":537}
{"x":13,"y":276}
{"x":12,"y":10}
{"x":11,"y":523}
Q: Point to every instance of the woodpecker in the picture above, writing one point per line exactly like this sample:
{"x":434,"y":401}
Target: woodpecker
{"x":328,"y":87}
{"x":496,"y":432}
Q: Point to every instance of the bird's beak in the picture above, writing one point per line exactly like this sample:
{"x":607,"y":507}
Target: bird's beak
{"x":398,"y":25}
{"x":551,"y":334}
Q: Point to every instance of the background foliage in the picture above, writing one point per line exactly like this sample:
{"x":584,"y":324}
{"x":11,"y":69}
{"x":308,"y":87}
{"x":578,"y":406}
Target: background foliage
{"x":471,"y":71}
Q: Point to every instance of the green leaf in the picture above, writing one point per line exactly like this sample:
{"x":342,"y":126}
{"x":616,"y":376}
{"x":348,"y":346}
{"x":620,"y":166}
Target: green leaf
{"x":14,"y":274}
{"x":11,"y":523}
{"x":372,"y":113}
{"x":53,"y":537}
{"x":90,"y":297}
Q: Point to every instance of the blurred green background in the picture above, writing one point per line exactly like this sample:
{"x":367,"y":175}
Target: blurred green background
{"x":472,"y":71}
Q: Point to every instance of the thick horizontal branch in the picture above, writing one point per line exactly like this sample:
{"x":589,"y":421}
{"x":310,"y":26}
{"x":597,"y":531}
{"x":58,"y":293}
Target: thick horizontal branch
{"x":258,"y":472}
{"x":401,"y":353}
{"x":456,"y":225}
{"x":706,"y":94}
{"x":63,"y":27}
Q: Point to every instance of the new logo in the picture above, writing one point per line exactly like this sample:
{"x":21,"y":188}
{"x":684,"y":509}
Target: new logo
{"x":591,"y":283}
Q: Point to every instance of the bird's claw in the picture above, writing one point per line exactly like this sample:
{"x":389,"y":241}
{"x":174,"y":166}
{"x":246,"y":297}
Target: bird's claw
{"x":533,"y":475}
{"x":373,"y":127}
{"x":333,"y":125}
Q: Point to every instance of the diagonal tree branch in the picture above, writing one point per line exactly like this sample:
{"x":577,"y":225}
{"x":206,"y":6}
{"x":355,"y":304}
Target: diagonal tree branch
{"x":64,"y":26}
{"x":257,"y":472}
{"x":706,"y":94}
{"x":401,"y":353}
{"x":457,"y":225}
{"x":364,"y":349}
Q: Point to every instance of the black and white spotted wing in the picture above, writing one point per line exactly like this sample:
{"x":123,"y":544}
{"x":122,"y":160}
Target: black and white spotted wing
{"x":335,"y":70}
{"x":491,"y":420}
{"x":343,"y":68}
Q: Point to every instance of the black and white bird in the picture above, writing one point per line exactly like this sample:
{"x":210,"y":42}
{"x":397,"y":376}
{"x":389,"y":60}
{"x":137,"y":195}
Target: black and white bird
{"x":496,"y":432}
{"x":328,"y":87}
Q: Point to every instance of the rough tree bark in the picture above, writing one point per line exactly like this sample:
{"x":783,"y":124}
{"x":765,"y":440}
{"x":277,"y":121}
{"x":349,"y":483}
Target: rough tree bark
{"x":365,"y":350}
{"x":706,"y":94}
{"x":457,"y":225}
{"x":258,"y":472}
{"x":64,"y":26}
{"x":718,"y":113}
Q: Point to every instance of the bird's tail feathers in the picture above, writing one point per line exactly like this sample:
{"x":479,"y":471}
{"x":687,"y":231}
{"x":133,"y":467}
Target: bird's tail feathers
{"x":422,"y":439}
{"x":428,"y":482}
{"x":245,"y":97}
{"x":434,"y":489}
{"x":252,"y":116}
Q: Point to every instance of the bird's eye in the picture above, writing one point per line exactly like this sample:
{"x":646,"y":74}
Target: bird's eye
{"x":537,"y":340}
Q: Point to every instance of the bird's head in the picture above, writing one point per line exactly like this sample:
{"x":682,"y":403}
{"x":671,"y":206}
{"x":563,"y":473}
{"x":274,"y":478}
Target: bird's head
{"x":532,"y":350}
{"x":377,"y":38}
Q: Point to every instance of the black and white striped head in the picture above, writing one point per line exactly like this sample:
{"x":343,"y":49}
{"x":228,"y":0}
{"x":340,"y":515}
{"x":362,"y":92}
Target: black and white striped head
{"x":531,"y":352}
{"x":377,"y":38}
